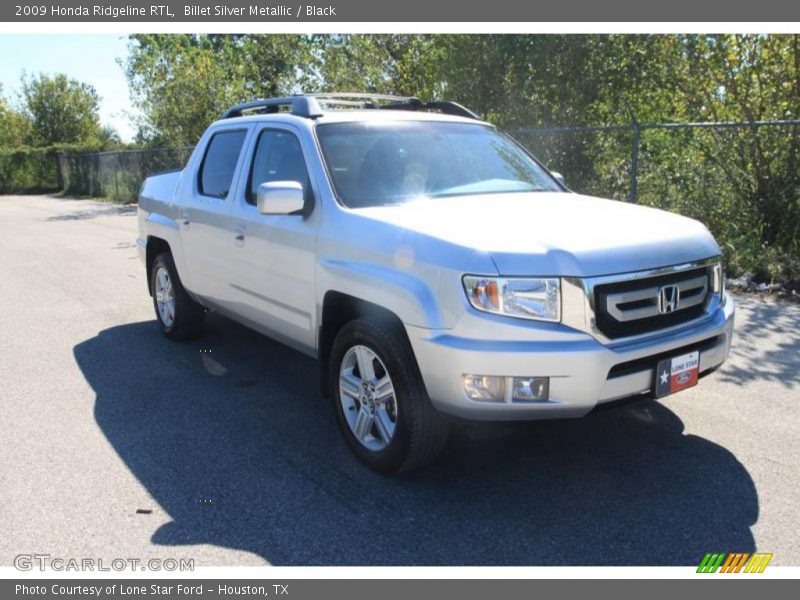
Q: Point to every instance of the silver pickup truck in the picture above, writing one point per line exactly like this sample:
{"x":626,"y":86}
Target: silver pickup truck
{"x":432,"y":265}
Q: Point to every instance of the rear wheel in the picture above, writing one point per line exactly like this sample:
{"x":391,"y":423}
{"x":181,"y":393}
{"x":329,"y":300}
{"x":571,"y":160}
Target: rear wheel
{"x":382,"y":407}
{"x":180,"y":317}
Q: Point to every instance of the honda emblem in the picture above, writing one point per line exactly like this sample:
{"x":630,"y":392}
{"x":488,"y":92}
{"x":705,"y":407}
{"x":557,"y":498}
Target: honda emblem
{"x":668,"y":299}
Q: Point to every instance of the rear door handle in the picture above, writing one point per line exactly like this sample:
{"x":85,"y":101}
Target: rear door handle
{"x":185,"y":219}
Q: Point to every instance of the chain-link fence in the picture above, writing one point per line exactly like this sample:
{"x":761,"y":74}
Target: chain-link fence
{"x":741,"y":179}
{"x":613,"y":159}
{"x":116,"y":175}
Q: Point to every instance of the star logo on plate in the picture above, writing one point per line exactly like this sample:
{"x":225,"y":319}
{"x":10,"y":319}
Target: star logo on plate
{"x":664,"y":377}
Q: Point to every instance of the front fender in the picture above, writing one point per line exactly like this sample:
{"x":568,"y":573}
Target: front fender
{"x":408,"y":296}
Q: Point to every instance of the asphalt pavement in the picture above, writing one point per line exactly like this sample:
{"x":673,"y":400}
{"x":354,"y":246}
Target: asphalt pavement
{"x":115,"y":442}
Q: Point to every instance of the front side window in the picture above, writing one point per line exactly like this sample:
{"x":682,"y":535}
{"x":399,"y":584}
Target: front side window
{"x":278,"y":157}
{"x":219,"y":163}
{"x":373,"y":164}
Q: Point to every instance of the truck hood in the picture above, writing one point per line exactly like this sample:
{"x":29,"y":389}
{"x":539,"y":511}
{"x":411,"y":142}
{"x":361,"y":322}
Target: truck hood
{"x":554,"y":233}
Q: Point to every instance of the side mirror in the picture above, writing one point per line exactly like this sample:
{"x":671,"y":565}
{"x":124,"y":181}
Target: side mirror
{"x":280,"y":197}
{"x":559,"y":177}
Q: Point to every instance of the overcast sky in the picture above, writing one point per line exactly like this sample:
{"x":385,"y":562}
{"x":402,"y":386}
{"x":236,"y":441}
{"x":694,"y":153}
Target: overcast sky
{"x":87,"y":58}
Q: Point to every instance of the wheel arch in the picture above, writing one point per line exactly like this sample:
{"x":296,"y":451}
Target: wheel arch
{"x":339,"y":309}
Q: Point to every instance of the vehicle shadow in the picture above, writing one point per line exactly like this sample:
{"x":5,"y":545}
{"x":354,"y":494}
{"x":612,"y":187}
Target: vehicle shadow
{"x":230,"y":435}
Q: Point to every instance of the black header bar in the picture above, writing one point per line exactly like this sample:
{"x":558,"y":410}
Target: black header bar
{"x":441,"y":11}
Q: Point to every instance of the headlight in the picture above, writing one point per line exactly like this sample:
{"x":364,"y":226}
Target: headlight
{"x":526,"y":298}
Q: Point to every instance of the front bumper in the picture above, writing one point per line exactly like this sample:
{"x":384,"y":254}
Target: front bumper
{"x":583,"y":372}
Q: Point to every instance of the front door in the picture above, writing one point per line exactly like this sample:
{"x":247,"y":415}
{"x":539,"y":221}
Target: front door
{"x":274,"y":283}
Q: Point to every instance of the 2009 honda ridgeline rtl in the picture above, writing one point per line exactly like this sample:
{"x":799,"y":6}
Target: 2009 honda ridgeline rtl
{"x":432,"y":265}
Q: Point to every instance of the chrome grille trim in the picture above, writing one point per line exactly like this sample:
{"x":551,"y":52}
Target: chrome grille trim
{"x":578,"y":300}
{"x":615,"y":302}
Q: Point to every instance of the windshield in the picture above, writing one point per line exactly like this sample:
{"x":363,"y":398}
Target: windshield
{"x":373,"y":164}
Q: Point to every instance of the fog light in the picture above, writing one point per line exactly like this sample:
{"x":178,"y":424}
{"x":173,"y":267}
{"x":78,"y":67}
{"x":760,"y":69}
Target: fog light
{"x":530,"y":389}
{"x":485,"y":388}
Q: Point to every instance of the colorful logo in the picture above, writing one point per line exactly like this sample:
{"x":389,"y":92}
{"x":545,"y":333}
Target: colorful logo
{"x":734,"y":562}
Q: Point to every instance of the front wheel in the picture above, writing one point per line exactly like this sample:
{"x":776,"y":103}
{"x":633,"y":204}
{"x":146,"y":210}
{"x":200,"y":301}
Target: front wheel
{"x":382,"y":407}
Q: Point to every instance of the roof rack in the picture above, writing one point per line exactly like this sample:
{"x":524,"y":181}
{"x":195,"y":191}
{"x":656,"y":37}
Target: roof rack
{"x":302,"y":106}
{"x":310,"y":105}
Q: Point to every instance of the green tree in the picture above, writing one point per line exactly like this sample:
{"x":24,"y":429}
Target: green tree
{"x":14,"y":126}
{"x":380,"y":64}
{"x":108,"y":137}
{"x":744,"y":183}
{"x":180,"y":83}
{"x":61,"y":110}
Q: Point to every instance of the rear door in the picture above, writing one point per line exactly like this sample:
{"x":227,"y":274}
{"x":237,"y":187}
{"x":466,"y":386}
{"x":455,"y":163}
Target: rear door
{"x":205,"y":218}
{"x":274,"y":283}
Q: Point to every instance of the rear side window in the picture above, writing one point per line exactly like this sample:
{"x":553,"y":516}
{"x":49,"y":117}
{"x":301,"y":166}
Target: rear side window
{"x":278,"y":157}
{"x":219,"y":163}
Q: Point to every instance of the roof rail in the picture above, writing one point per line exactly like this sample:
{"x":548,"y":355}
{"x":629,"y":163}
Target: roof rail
{"x":310,"y":105}
{"x":302,"y":106}
{"x":444,"y":106}
{"x":358,"y":96}
{"x":395,"y":103}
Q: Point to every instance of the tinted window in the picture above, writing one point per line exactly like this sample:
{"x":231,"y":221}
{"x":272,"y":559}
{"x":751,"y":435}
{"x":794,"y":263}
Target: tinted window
{"x":278,"y":157}
{"x":386,"y":163}
{"x":219,"y":163}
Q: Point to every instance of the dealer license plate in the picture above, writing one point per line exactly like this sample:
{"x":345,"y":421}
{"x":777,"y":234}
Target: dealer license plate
{"x":677,"y":373}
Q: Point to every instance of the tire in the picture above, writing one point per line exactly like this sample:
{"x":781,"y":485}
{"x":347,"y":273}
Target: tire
{"x":406,"y":431}
{"x":180,"y":317}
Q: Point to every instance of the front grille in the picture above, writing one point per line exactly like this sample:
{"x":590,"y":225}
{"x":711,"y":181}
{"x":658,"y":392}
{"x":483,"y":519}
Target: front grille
{"x":638,"y":306}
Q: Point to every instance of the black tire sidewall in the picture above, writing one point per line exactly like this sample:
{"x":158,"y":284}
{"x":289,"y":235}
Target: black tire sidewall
{"x":165,"y":261}
{"x":389,"y":348}
{"x":189,"y":315}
